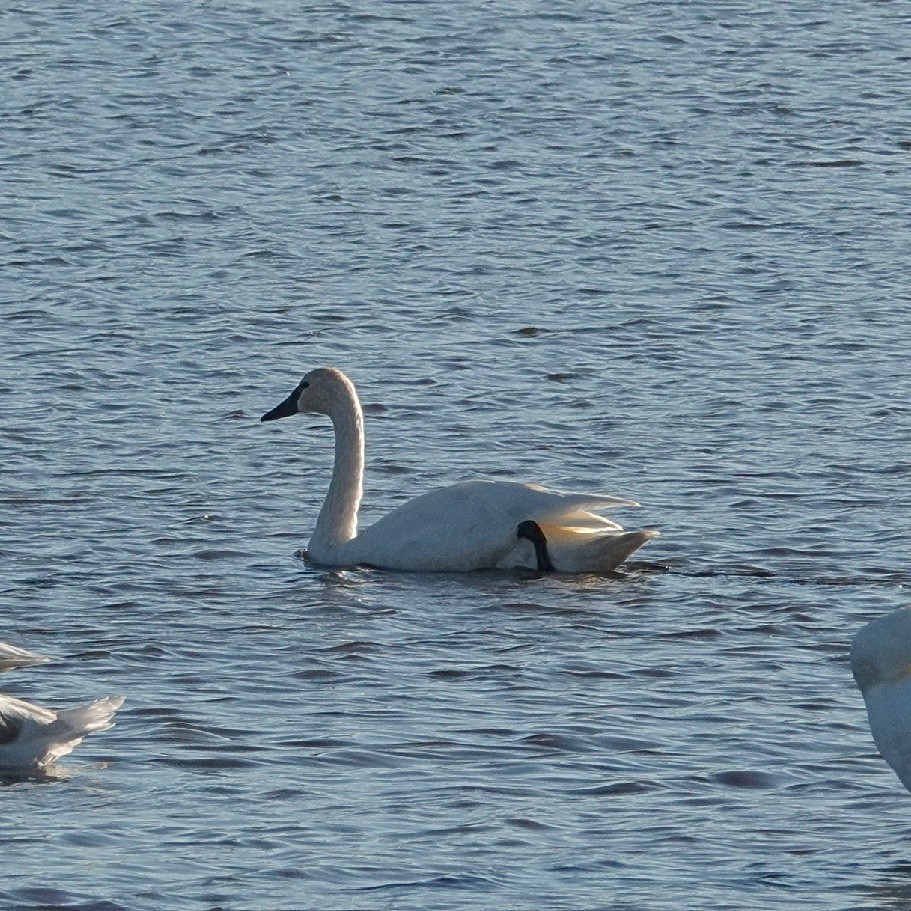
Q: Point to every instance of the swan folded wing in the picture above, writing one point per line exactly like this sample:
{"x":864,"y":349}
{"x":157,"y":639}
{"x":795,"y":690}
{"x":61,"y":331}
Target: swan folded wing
{"x":583,"y":523}
{"x":10,"y":707}
{"x":439,"y":531}
{"x":11,"y":656}
{"x":472,"y":525}
{"x":575,"y":512}
{"x":576,"y":534}
{"x":594,"y":502}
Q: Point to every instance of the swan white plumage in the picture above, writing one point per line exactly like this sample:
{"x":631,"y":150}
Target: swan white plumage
{"x":467,"y":526}
{"x":881,"y":664}
{"x":32,"y":737}
{"x":11,"y":656}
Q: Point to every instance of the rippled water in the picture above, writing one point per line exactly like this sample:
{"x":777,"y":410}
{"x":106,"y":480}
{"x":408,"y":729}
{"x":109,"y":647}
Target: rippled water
{"x":656,"y":249}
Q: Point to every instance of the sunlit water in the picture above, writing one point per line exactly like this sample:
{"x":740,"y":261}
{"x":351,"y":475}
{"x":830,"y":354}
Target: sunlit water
{"x":660,"y":251}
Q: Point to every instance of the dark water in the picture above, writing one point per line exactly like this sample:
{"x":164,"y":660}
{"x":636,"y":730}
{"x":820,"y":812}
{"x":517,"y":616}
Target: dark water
{"x":655,"y":249}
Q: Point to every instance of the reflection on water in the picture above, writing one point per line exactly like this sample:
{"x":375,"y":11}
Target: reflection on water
{"x":52,"y":773}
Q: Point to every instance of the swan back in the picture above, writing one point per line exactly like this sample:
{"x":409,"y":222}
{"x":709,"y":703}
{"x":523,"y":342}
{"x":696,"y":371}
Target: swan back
{"x":881,"y":651}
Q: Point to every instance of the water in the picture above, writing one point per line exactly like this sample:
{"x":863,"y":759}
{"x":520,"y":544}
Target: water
{"x":654,"y":249}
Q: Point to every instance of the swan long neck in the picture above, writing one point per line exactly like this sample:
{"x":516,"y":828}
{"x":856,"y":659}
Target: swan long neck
{"x":337,"y":521}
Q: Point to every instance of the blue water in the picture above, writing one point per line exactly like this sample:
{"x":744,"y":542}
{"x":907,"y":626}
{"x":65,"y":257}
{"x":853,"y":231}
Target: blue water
{"x":655,"y":249}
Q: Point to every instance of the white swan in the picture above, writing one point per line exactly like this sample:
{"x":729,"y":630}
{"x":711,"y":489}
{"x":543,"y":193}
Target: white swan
{"x":468,"y":526}
{"x":881,"y":664}
{"x":11,"y":656}
{"x":32,"y":737}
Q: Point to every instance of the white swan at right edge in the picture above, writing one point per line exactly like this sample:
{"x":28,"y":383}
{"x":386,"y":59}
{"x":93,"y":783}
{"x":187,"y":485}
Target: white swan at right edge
{"x":469,"y":526}
{"x":881,"y":664}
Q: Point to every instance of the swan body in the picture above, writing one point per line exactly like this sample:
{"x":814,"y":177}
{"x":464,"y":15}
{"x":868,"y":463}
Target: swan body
{"x":467,"y":526}
{"x":32,"y":737}
{"x":881,"y":664}
{"x":11,"y":656}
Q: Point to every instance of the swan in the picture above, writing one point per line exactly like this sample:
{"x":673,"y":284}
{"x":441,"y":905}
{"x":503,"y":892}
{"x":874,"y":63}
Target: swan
{"x":32,"y":737}
{"x":11,"y":656}
{"x":881,"y":664}
{"x":472,"y":525}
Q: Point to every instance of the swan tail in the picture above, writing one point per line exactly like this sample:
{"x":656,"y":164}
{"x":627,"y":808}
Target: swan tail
{"x":85,"y":719}
{"x":71,"y":725}
{"x":572,"y":510}
{"x":568,"y":504}
{"x":582,"y":552}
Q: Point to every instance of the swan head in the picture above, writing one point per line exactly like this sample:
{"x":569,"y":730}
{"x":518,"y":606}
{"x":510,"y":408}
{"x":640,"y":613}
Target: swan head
{"x":881,"y":650}
{"x":320,"y":392}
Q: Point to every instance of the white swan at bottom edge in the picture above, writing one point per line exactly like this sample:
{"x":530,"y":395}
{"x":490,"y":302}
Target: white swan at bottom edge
{"x":467,"y":526}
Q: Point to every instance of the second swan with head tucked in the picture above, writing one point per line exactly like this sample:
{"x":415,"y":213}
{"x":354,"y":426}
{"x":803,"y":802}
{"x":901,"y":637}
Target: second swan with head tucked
{"x":467,"y":526}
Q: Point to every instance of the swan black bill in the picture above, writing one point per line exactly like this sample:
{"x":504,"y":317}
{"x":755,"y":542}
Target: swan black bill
{"x":283,"y":410}
{"x":531,"y":531}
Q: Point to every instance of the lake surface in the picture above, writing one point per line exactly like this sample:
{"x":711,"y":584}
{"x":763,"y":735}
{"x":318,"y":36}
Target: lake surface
{"x":653,"y":249}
